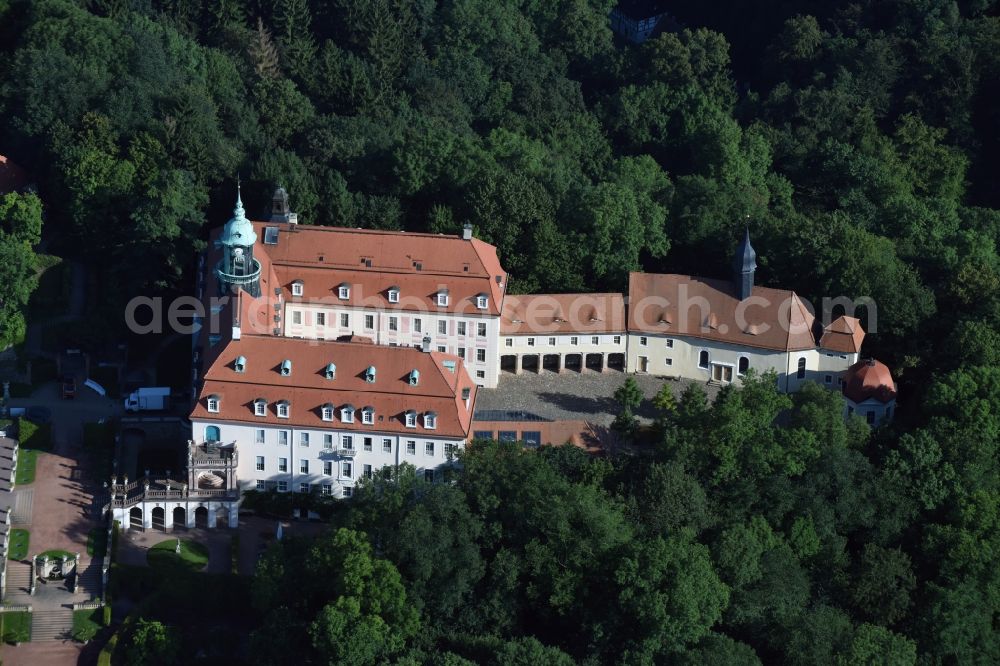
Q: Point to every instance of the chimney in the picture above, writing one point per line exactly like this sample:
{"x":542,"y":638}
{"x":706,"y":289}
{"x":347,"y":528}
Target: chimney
{"x":467,"y":231}
{"x":744,"y":266}
{"x":425,"y":344}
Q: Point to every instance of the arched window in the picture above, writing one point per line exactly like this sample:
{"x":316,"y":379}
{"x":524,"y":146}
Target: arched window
{"x":212,"y":433}
{"x":744,"y":365}
{"x":703,"y":359}
{"x":801,"y":374}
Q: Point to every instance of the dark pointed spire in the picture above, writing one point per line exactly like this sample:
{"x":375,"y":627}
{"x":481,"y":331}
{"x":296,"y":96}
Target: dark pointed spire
{"x":744,"y":266}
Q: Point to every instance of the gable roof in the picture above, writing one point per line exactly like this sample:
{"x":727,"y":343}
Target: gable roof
{"x":439,"y":390}
{"x":704,"y":308}
{"x":563,"y":313}
{"x":417,"y":263}
{"x":844,"y":334}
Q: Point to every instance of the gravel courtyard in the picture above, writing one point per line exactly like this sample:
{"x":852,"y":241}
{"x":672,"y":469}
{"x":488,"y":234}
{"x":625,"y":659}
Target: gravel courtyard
{"x":573,"y":396}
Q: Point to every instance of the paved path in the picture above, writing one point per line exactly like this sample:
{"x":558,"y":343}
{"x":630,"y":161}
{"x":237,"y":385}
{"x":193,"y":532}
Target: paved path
{"x":587,"y":396}
{"x":20,"y":515}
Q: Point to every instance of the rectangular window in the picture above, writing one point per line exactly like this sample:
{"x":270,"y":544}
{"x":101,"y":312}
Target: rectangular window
{"x":347,"y":470}
{"x":260,"y":463}
{"x":509,"y":342}
{"x":348,"y":442}
{"x":531,"y":342}
{"x":328,"y":468}
{"x":480,"y":355}
{"x":283,"y":437}
{"x":429,"y":448}
{"x":213,"y":404}
{"x":668,"y":361}
{"x":552,"y":342}
{"x":296,"y":317}
{"x":595,"y":340}
{"x":321,"y":319}
{"x":344,"y":292}
{"x":643,"y":341}
{"x":429,"y":475}
{"x":261,"y":485}
{"x":480,"y":374}
{"x":393,"y":323}
{"x":345,"y":320}
{"x":327,"y":489}
{"x":418,"y":325}
{"x":574,"y":340}
{"x":481,"y":330}
{"x":283,"y":410}
{"x":304,"y":439}
{"x":670,"y":343}
{"x":259,"y":408}
{"x":618,"y":339}
{"x":461,"y":328}
{"x":304,"y":488}
{"x":304,"y":466}
{"x":282,"y":486}
{"x":369,"y":322}
{"x":461,"y":353}
{"x":387,"y":445}
{"x":368,"y":443}
{"x":327,"y":441}
{"x":828,"y":379}
{"x":348,"y":491}
{"x":367,"y":471}
{"x":411,"y":447}
{"x":282,"y":464}
{"x":442,"y":348}
{"x":259,"y":436}
{"x":442,"y":327}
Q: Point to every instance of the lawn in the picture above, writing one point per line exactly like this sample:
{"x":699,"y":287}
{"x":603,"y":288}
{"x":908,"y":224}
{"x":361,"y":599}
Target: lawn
{"x":193,"y":557}
{"x":16,"y":627}
{"x":53,"y":554}
{"x":32,"y":438}
{"x":97,"y":542}
{"x":86,"y":624}
{"x":19,"y":540}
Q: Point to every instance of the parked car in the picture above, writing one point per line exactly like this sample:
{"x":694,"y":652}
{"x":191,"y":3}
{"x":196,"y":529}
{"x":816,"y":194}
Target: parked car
{"x":68,"y":387}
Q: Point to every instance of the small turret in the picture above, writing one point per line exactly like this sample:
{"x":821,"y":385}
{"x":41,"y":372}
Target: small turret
{"x":237,"y":266}
{"x":744,"y":266}
{"x":279,"y":206}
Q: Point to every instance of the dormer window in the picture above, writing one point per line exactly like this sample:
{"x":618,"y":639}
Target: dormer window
{"x":344,"y":291}
{"x":394,"y":294}
{"x":466,"y":392}
{"x":297,"y":287}
{"x":240,"y":364}
{"x":411,"y":419}
{"x":442,"y":297}
{"x":430,"y":420}
{"x":482,"y":301}
{"x":414,"y":377}
{"x":286,"y":368}
{"x":347,"y":413}
{"x":370,"y":374}
{"x":212,"y":403}
{"x":368,"y":415}
{"x":326,"y":412}
{"x":260,"y":407}
{"x":284,"y":408}
{"x":330,"y":372}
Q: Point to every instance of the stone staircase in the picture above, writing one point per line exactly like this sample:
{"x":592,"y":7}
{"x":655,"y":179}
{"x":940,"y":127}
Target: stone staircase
{"x":18,"y":579}
{"x":51,"y":625}
{"x":90,"y":580}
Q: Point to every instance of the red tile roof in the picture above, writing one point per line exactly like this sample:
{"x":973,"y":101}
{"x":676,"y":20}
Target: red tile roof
{"x":439,"y":389}
{"x":563,"y":313}
{"x":325,"y":257}
{"x":843,"y":334}
{"x":869,"y":378}
{"x":704,"y":308}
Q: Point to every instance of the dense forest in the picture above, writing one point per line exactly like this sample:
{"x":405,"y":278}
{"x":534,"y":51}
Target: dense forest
{"x":860,"y":140}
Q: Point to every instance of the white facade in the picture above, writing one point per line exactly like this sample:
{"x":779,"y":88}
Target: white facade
{"x":326,"y":461}
{"x":575,"y":351}
{"x":472,"y":338}
{"x":874,"y":411}
{"x":709,"y":360}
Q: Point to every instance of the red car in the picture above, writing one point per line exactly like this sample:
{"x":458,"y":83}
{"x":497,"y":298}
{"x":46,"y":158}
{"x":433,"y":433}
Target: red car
{"x":68,"y":387}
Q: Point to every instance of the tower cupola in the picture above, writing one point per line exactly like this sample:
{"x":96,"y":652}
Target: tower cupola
{"x":237,"y":266}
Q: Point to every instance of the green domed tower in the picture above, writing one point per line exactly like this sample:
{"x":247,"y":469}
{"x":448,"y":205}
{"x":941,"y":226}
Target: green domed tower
{"x":237,"y":266}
